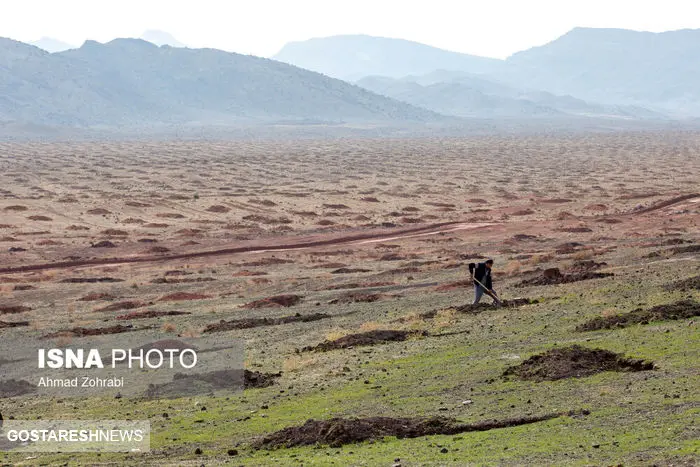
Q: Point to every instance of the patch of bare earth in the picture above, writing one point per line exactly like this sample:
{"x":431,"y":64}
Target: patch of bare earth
{"x":190,"y":384}
{"x":377,"y":336}
{"x":248,"y":323}
{"x":337,"y":432}
{"x":82,"y":332}
{"x":151,"y":314}
{"x":13,"y":324}
{"x":674,"y":311}
{"x":512,"y":303}
{"x":273,"y":302}
{"x":573,"y":362}
{"x":183,"y":296}
{"x":13,"y":309}
{"x":554,"y":276}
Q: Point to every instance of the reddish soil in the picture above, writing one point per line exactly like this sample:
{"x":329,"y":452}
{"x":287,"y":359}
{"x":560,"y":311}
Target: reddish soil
{"x":349,"y":270}
{"x":675,"y":311}
{"x":317,"y":241}
{"x":82,"y":332}
{"x":357,"y":297}
{"x":96,"y":296}
{"x":165,"y":280}
{"x":13,"y":324}
{"x":276,"y":301}
{"x":182,"y":296}
{"x":13,"y":309}
{"x":360,"y":285}
{"x":337,"y":432}
{"x":553,"y":276}
{"x":248,"y":323}
{"x":103,"y":244}
{"x":454,"y":286}
{"x":479,"y":307}
{"x":246,"y":273}
{"x":151,"y":314}
{"x":573,"y":362}
{"x":667,"y":203}
{"x":375,"y":337}
{"x":126,"y":305}
{"x":89,"y":280}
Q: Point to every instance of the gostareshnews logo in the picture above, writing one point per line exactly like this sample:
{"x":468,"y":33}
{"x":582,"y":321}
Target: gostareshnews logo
{"x":75,"y":436}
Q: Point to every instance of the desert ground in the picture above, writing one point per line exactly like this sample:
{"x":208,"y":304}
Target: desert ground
{"x":343,"y":265}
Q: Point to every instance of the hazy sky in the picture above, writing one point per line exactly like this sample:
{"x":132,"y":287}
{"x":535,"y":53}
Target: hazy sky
{"x":495,"y":28}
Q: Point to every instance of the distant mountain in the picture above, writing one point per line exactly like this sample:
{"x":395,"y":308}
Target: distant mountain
{"x":615,"y":66}
{"x":465,"y":95}
{"x":160,"y":38}
{"x":52,"y":45}
{"x":355,"y":56}
{"x":452,"y":98}
{"x":133,"y":82}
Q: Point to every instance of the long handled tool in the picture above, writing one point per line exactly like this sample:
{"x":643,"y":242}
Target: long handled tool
{"x":490,"y":292}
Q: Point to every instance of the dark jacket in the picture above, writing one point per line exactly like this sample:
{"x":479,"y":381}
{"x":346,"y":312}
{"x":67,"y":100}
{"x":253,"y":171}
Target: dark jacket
{"x":481,"y":273}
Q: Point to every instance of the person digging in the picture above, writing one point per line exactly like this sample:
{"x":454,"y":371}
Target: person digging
{"x":481,"y":275}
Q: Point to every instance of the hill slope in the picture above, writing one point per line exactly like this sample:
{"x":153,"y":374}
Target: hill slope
{"x":464,"y":95}
{"x":615,"y":66}
{"x":352,"y":57}
{"x":131,"y":81}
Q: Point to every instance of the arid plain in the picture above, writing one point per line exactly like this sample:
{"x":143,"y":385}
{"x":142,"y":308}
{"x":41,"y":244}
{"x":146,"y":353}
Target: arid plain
{"x":343,"y":265}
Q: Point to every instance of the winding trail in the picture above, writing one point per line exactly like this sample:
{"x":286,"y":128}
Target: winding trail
{"x":312,"y":242}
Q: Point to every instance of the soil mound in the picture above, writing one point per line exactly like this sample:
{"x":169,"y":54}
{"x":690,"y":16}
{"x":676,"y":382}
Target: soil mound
{"x":685,"y":284}
{"x":89,"y":280}
{"x":151,"y":314}
{"x":13,"y":309}
{"x":479,"y":307}
{"x":15,"y":387}
{"x":357,"y":297}
{"x":128,"y":305}
{"x":349,"y":270}
{"x":675,"y":311}
{"x":273,"y":302}
{"x":13,"y":324}
{"x":218,"y":208}
{"x":82,"y":332}
{"x":248,"y":323}
{"x":255,"y":379}
{"x":679,"y":250}
{"x":103,"y":244}
{"x":181,"y":296}
{"x":375,"y":337}
{"x":573,"y":362}
{"x":337,"y":432}
{"x":586,"y":265}
{"x":553,"y":276}
{"x":96,"y":296}
{"x":191,"y":384}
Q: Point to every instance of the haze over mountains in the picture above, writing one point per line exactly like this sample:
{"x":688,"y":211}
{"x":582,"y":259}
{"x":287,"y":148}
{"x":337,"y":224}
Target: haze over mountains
{"x":134,"y":82}
{"x":608,"y":67}
{"x":354,"y":57}
{"x":587,"y":73}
